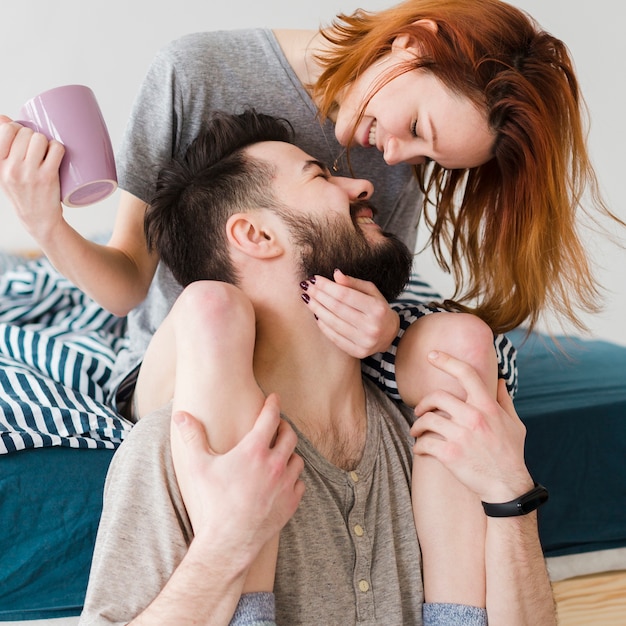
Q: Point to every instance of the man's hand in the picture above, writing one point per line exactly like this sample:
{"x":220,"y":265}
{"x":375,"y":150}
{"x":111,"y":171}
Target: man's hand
{"x":247,"y":495}
{"x":352,"y":313}
{"x":29,"y":176}
{"x":480,"y":440}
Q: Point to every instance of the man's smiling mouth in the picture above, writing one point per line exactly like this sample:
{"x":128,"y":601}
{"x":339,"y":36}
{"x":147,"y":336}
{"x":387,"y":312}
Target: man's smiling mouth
{"x":362,"y":213}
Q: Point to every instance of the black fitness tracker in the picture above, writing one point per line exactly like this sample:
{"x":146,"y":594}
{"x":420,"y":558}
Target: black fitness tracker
{"x":526,"y":503}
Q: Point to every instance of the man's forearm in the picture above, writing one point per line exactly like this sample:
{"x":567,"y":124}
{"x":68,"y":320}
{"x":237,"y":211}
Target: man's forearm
{"x":518,"y":587}
{"x":198,"y":592}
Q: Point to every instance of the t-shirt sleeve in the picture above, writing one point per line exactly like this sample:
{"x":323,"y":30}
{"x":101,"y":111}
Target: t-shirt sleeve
{"x":150,"y":138}
{"x":144,"y":531}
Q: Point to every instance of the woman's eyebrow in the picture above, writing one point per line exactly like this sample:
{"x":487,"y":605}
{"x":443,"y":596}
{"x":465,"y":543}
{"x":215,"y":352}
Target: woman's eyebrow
{"x":433,"y":134}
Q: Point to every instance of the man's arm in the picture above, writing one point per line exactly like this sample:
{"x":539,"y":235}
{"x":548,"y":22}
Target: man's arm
{"x":480,"y":440}
{"x":513,"y":549}
{"x":147,"y":567}
{"x":518,"y":587}
{"x":204,"y":589}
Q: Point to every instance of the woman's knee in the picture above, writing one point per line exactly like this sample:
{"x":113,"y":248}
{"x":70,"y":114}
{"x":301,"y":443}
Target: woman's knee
{"x":461,"y":335}
{"x":208,"y":304}
{"x":449,"y":332}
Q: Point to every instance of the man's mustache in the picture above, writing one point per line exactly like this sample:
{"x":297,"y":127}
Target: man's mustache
{"x":358,"y":205}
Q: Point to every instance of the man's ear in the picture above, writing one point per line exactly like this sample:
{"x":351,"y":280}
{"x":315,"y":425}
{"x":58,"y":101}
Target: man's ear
{"x":253,"y":234}
{"x":410,"y":42}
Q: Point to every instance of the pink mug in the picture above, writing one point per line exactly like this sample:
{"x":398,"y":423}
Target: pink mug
{"x":71,"y":115}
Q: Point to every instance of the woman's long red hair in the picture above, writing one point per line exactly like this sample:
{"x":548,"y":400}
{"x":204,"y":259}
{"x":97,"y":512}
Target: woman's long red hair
{"x":507,"y":230}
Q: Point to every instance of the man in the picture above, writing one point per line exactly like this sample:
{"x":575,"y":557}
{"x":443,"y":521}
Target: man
{"x":251,"y":210}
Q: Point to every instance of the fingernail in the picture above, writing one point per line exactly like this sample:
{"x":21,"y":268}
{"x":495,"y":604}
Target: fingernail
{"x":306,"y":297}
{"x":304,"y":285}
{"x":432,"y":355}
{"x":179,"y":418}
{"x":311,"y":279}
{"x":315,"y":316}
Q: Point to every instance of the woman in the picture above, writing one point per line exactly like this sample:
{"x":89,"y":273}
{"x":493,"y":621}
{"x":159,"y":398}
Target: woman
{"x":525,"y":166}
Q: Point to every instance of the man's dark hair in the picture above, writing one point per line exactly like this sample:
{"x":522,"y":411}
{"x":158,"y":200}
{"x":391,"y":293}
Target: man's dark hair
{"x":186,"y":218}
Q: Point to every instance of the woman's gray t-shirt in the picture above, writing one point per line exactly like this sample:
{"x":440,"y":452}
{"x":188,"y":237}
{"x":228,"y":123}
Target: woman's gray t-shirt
{"x":230,"y":71}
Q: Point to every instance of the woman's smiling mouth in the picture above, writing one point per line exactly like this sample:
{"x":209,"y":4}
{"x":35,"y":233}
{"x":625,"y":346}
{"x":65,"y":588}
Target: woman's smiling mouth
{"x":371,"y":139}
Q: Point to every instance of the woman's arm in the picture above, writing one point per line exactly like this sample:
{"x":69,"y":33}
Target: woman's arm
{"x":117,"y":275}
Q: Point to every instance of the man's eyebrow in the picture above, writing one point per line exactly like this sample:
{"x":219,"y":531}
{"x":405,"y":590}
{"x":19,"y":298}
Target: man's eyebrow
{"x":314,"y":163}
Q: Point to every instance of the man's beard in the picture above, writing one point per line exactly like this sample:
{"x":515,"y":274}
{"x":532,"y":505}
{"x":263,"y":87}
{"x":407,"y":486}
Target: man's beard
{"x":329,"y":244}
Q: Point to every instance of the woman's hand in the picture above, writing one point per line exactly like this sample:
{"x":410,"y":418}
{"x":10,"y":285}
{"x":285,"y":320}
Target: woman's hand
{"x":479,"y":439}
{"x":29,"y":176}
{"x":352,"y":313}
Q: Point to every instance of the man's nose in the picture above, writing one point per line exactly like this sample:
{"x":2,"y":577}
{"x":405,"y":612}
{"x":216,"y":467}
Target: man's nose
{"x":357,"y":188}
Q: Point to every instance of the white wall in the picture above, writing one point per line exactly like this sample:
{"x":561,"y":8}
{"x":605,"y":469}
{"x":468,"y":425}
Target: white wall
{"x":107,"y":44}
{"x":596,"y":39}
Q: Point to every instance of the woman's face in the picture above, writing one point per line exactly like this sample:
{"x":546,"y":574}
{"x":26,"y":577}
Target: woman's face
{"x":413,"y":118}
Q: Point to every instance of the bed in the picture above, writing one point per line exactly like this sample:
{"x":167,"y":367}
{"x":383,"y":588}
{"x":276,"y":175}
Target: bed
{"x":57,"y":438}
{"x":576,"y":445}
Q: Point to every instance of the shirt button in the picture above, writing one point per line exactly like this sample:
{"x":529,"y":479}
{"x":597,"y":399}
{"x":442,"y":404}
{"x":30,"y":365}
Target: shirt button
{"x":354,"y":476}
{"x":364,"y":585}
{"x":358,"y":530}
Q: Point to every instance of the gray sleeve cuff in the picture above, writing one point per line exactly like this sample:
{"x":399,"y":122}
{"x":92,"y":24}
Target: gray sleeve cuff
{"x":255,"y":609}
{"x":441,"y":614}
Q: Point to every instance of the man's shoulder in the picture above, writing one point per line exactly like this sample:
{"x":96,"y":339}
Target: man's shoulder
{"x":145,"y":458}
{"x":376,"y":398}
{"x":157,"y":423}
{"x":149,"y":438}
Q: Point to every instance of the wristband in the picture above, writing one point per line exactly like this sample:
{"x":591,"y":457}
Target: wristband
{"x":523,"y":505}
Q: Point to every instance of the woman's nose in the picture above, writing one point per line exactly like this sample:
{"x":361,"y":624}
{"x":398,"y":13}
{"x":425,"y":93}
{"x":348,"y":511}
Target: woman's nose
{"x":393,"y":152}
{"x":397,"y":151}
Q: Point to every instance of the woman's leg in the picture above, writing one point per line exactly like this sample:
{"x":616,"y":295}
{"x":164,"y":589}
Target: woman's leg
{"x":201,"y":357}
{"x":449,"y":517}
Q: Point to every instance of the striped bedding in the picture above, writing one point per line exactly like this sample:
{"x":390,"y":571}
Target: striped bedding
{"x":57,"y":348}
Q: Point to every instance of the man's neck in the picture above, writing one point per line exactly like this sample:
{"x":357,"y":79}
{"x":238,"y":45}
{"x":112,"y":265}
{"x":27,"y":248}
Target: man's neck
{"x":320,"y":386}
